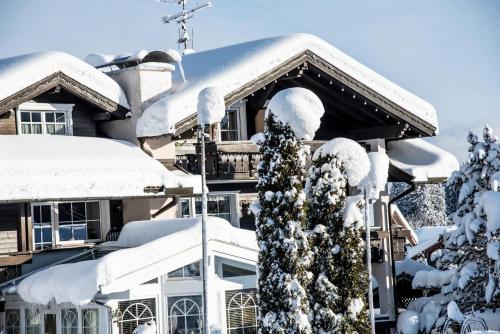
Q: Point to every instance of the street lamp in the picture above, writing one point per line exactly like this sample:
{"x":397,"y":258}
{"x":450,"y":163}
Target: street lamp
{"x":211,"y":109}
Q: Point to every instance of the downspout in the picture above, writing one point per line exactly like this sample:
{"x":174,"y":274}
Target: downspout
{"x":110,"y":315}
{"x":393,"y":262}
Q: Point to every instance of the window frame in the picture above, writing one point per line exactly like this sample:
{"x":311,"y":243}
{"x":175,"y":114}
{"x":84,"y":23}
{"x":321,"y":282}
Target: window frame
{"x":183,"y":297}
{"x":103,"y":219}
{"x":233,"y":206}
{"x":241,"y":120}
{"x":186,"y":277}
{"x":65,"y":108}
{"x":251,"y":294}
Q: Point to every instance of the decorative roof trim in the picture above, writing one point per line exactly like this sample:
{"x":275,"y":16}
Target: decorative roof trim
{"x":61,"y":79}
{"x":309,"y":57}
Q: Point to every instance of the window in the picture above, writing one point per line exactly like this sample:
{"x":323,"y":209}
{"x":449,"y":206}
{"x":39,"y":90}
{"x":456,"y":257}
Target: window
{"x":12,"y":322}
{"x":241,"y":311}
{"x":69,"y":322}
{"x":185,"y":208}
{"x":184,"y":315}
{"x":232,"y":271}
{"x":217,"y":206}
{"x":135,"y":313}
{"x":191,"y":270}
{"x":79,"y":221}
{"x":42,"y":226}
{"x":32,"y":322}
{"x":229,"y":126}
{"x":71,"y":221}
{"x":44,"y":118}
{"x":90,"y":321}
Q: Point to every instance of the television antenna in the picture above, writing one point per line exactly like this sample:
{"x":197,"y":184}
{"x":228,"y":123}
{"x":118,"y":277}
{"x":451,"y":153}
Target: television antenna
{"x":181,"y":19}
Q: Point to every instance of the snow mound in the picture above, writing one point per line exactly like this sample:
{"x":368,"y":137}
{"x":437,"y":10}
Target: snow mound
{"x":376,"y":180}
{"x":354,"y":159}
{"x":20,"y":72}
{"x":147,"y":328}
{"x":43,"y":167}
{"x":300,"y":108}
{"x":234,"y":66}
{"x":432,"y":279}
{"x":408,"y":323}
{"x":155,"y":242}
{"x":422,"y":160}
{"x":211,"y":107}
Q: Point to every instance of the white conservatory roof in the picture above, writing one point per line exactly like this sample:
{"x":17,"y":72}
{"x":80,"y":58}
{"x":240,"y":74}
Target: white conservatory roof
{"x":45,"y":167}
{"x":153,"y":248}
{"x":422,"y":160}
{"x":20,"y":72}
{"x":233,"y":66}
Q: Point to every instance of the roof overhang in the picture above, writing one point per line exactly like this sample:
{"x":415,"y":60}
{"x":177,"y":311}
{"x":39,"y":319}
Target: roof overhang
{"x":73,"y":86}
{"x":308,"y":59}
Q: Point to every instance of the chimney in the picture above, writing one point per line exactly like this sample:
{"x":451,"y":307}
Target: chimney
{"x":143,"y":85}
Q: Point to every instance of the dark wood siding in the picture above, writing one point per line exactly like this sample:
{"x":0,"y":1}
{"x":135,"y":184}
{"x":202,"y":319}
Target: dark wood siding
{"x":9,"y":227}
{"x":8,"y":123}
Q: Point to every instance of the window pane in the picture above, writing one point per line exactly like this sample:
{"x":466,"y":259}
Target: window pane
{"x":60,"y":117}
{"x":25,"y":116}
{"x":36,"y":117}
{"x":193,"y":269}
{"x":36,"y":129}
{"x":60,"y":129}
{"x":64,"y":212}
{"x":197,"y":206}
{"x":49,"y":117}
{"x":47,"y":234}
{"x":224,"y":204}
{"x":232,"y":120}
{"x":37,"y":215}
{"x":78,"y":210}
{"x":90,"y":321}
{"x":176,"y":273}
{"x":185,"y":211}
{"x":92,"y":210}
{"x":93,"y":229}
{"x":80,"y":232}
{"x":26,"y":128}
{"x":50,"y":129}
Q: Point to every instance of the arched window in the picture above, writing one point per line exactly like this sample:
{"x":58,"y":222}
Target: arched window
{"x":69,"y":321}
{"x":184,"y":315}
{"x":134,"y":315}
{"x":12,"y":322}
{"x":33,"y":322}
{"x":90,"y":321}
{"x":241,"y":312}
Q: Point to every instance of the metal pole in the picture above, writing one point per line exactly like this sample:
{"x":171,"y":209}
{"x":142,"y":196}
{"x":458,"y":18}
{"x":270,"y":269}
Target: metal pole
{"x":204,"y":216}
{"x":369,"y":266}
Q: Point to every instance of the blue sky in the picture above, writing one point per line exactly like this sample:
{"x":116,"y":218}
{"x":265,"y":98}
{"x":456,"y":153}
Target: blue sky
{"x":445,"y":51}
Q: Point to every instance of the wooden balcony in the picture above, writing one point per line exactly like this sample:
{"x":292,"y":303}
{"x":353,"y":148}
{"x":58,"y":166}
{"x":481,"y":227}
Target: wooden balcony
{"x":225,"y":160}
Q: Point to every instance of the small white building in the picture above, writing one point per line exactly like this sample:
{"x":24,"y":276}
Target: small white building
{"x":151,"y":275}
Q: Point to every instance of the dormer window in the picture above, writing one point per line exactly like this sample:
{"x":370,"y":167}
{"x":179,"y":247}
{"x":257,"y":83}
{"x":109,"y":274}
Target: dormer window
{"x":45,"y":118}
{"x":233,"y":125}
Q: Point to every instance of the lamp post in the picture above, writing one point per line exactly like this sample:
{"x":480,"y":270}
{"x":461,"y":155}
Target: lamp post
{"x":369,"y":264}
{"x":204,"y":241}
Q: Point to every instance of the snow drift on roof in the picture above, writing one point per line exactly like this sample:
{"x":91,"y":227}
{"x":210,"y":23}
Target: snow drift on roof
{"x":77,"y":283}
{"x":233,"y":66}
{"x":36,"y":167}
{"x":427,"y":237}
{"x":422,"y":160}
{"x":19,"y":72}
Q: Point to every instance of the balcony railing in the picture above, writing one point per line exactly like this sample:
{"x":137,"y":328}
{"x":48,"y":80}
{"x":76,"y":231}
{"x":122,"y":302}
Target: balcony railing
{"x":226,"y":160}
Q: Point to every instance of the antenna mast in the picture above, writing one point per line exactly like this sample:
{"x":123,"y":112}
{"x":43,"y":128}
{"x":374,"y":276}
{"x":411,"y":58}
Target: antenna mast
{"x":181,"y":19}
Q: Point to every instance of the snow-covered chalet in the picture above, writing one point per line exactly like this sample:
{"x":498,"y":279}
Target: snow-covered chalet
{"x":99,"y":193}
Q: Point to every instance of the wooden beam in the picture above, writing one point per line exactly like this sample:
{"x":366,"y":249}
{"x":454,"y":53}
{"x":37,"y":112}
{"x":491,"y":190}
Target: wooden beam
{"x":383,"y":132}
{"x":101,"y":116}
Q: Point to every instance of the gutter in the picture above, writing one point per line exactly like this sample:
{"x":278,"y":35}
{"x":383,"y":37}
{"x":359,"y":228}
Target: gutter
{"x":393,"y":264}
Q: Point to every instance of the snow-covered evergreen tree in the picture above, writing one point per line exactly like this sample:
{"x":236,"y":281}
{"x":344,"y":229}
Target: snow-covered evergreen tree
{"x":469,"y":263}
{"x":425,"y":206}
{"x":283,"y":264}
{"x":340,"y":276}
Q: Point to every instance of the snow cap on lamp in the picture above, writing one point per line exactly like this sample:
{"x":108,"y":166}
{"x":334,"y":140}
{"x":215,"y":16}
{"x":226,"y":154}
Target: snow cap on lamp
{"x":300,"y":108}
{"x":211,"y":105}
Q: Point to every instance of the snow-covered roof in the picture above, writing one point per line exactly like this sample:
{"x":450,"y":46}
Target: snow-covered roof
{"x":20,"y":72}
{"x":427,"y":237}
{"x":43,"y":167}
{"x":422,"y":160}
{"x":233,"y":66}
{"x":156,"y":248}
{"x":411,"y":267}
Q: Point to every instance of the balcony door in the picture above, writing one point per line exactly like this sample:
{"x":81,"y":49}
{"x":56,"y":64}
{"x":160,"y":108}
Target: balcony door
{"x":49,"y":323}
